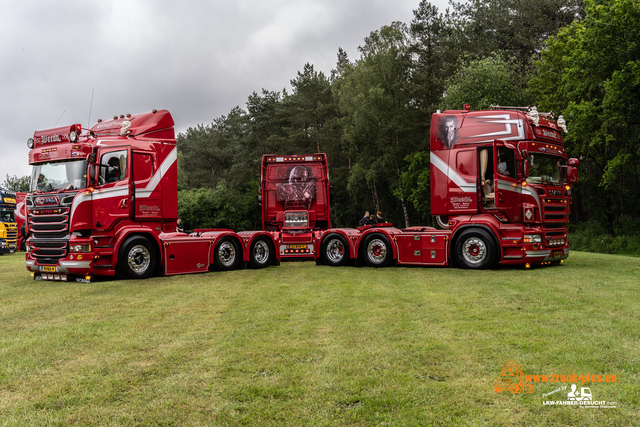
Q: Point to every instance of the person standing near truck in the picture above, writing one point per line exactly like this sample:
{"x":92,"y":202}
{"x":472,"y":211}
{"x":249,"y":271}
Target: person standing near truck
{"x":365,"y":219}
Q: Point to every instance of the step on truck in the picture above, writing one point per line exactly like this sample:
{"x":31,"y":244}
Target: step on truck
{"x":8,"y":225}
{"x":104,"y":202}
{"x":500,"y":193}
{"x":295,"y":202}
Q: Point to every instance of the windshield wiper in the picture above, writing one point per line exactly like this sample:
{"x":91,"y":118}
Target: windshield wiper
{"x":544,"y":181}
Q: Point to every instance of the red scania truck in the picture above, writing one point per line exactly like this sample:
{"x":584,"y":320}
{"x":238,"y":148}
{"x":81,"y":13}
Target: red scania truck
{"x":500,"y":191}
{"x":105,"y":202}
{"x":295,"y":202}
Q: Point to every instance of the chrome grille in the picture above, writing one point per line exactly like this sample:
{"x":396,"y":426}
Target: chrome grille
{"x":555,"y":210}
{"x":49,"y":228}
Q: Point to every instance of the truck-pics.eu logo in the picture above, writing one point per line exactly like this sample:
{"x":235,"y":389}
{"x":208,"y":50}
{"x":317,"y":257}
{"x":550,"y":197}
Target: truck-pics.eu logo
{"x":512,"y":378}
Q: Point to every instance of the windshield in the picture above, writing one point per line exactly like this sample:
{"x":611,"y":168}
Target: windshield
{"x":69,"y":175}
{"x":545,"y":169}
{"x":6,"y":215}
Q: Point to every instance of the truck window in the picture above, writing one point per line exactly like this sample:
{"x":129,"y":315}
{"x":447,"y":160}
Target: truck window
{"x":142,"y":167}
{"x":6,"y":215}
{"x":113,"y":167}
{"x":506,"y":162}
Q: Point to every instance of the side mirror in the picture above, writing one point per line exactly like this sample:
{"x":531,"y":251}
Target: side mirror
{"x":524,"y":154}
{"x":572,"y":175}
{"x":525,"y":168}
{"x":91,"y":158}
{"x":260,"y":200}
{"x":573,"y":162}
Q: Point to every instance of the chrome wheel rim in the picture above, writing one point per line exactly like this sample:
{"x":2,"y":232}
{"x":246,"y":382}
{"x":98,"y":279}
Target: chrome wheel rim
{"x":376,"y":251}
{"x":261,"y":252}
{"x":335,"y":250}
{"x":226,"y":254}
{"x":139,"y":259}
{"x":474,"y":250}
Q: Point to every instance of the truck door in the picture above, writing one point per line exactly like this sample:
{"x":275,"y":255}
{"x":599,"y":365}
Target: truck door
{"x":508,"y":192}
{"x":148,"y":197}
{"x":111,"y":200}
{"x":463,"y":198}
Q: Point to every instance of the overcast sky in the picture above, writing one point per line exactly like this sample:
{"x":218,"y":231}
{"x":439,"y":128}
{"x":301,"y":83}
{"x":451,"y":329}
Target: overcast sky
{"x":196,"y":58}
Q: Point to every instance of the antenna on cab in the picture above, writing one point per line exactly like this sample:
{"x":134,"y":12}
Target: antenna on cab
{"x":60,"y":118}
{"x":90,"y":105}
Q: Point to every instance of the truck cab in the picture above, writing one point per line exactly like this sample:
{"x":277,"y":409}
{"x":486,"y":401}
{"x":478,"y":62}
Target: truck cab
{"x":295,"y":202}
{"x":104,"y":202}
{"x":8,"y":225}
{"x":503,"y":174}
{"x":500,"y":193}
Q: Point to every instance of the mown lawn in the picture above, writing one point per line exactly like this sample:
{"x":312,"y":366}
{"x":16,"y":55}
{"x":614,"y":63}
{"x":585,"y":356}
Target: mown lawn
{"x":304,"y":345}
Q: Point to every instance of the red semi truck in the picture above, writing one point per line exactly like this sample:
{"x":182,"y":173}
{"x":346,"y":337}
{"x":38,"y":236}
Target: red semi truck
{"x":295,"y":202}
{"x":105,"y":202}
{"x":500,"y":191}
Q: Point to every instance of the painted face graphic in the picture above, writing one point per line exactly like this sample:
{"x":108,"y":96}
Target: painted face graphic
{"x":299,"y":190}
{"x":450,"y":127}
{"x":298,"y":175}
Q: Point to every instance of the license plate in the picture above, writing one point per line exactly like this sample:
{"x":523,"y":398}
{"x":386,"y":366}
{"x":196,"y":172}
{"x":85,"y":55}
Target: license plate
{"x":557,"y":254}
{"x":297,"y":246}
{"x":49,"y":269}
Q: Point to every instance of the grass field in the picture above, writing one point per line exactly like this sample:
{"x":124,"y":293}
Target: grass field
{"x":304,"y":345}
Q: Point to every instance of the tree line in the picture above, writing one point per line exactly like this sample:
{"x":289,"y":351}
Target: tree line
{"x":372,"y":115}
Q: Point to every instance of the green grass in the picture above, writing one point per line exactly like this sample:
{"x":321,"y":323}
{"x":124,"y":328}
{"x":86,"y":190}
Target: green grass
{"x":622,"y":239}
{"x":305,"y":345}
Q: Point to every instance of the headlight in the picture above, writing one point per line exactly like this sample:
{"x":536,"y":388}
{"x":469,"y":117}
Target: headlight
{"x":80,"y":248}
{"x":533,"y":238}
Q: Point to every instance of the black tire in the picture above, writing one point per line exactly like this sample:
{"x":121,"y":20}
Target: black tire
{"x":476,"y":250}
{"x":226,"y":255}
{"x":261,"y":253}
{"x":376,"y":250}
{"x":334,"y":250}
{"x":137,"y":258}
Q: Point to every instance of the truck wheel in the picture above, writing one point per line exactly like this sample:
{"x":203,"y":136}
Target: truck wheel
{"x":226,"y":256}
{"x":334,"y":250}
{"x":260,"y":253}
{"x":137,"y":259}
{"x":376,"y":250}
{"x":475,"y":249}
